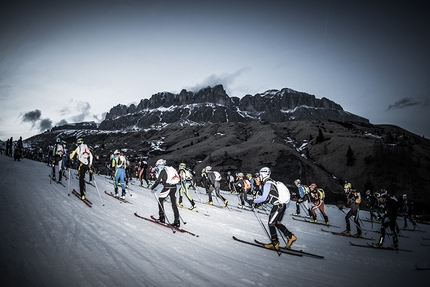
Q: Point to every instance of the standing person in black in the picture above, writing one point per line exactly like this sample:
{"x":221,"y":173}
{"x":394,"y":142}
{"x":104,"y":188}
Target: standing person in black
{"x":408,"y":207}
{"x":169,"y":178}
{"x":389,"y":216}
{"x":58,"y":152}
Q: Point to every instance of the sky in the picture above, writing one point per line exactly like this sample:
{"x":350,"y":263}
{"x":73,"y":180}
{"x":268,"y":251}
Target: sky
{"x":51,"y":239}
{"x":72,"y":61}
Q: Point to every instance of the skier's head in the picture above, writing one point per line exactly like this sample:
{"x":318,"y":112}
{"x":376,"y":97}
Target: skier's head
{"x":208,"y":168}
{"x":160,"y":162}
{"x":57,"y":140}
{"x":313,"y":187}
{"x":240,"y":175}
{"x":368,"y":192}
{"x":297,"y":182}
{"x":80,"y":141}
{"x":116,"y":152}
{"x":405,"y":196}
{"x":182,"y":165}
{"x":265,"y":173}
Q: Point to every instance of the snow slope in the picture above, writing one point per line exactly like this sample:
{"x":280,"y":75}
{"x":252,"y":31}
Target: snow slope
{"x":51,"y":239}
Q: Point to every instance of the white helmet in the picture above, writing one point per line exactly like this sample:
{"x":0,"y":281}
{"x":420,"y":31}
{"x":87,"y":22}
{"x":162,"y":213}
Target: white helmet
{"x":264,"y":173}
{"x":208,"y":168}
{"x":160,"y":162}
{"x":240,"y":174}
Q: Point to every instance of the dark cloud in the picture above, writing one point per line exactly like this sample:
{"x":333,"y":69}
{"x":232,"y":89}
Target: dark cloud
{"x":32,"y":116}
{"x":406,"y":102}
{"x":45,"y":124}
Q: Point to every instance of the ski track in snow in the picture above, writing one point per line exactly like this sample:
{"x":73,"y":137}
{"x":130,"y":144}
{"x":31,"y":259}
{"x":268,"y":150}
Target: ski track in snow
{"x":51,"y":239}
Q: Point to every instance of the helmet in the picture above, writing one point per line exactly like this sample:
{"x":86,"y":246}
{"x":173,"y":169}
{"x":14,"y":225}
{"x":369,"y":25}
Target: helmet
{"x":57,"y":140}
{"x":160,"y":162}
{"x":208,"y":168}
{"x":257,"y":174}
{"x":367,"y":192}
{"x":80,"y":141}
{"x":265,"y":173}
{"x":182,"y":165}
{"x":116,"y":151}
{"x":297,"y":181}
{"x":228,"y":172}
{"x":248,"y":176}
{"x":240,"y":174}
{"x":405,"y":195}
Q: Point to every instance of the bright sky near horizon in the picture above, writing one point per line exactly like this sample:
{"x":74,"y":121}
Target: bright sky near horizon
{"x":72,"y":61}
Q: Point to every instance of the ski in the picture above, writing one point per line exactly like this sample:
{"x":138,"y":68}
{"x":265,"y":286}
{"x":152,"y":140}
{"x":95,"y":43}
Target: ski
{"x":295,"y":250}
{"x":246,"y":208}
{"x":285,"y":251}
{"x":193,"y":210}
{"x":414,"y":230}
{"x":301,"y":216}
{"x":424,"y":244}
{"x":86,"y":201}
{"x":381,"y":248}
{"x":347,"y":235}
{"x":370,"y":220}
{"x":56,"y":181}
{"x":174,"y":228}
{"x":320,"y":223}
{"x":421,"y":268}
{"x":390,"y":234}
{"x":117,"y":198}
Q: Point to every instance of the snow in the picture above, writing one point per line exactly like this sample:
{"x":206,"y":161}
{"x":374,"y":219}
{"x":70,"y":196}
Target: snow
{"x":51,"y":239}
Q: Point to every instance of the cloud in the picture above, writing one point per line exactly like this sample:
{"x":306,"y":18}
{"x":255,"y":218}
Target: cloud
{"x":84,"y":110}
{"x":225,"y":79}
{"x":32,"y":116}
{"x":62,"y":123}
{"x":45,"y":124}
{"x":407,"y":102}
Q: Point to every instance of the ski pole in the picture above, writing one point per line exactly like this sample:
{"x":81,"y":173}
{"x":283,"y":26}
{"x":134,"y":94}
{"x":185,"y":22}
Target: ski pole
{"x":68,"y":184}
{"x":359,"y":227}
{"x":201,"y":200}
{"x":265,"y":229}
{"x":95,"y":183}
{"x":165,"y":215}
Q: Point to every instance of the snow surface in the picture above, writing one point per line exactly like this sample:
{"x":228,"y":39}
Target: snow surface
{"x":51,"y":239}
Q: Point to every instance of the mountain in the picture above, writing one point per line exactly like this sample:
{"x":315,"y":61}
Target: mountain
{"x":295,"y":134}
{"x":213,"y":105}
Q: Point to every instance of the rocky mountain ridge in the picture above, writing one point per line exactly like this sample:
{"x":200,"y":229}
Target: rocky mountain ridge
{"x":213,"y":105}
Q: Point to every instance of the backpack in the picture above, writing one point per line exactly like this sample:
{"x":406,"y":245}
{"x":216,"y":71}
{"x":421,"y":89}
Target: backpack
{"x":188,"y":175}
{"x":172,"y":175}
{"x":283,"y":191}
{"x":59,"y":150}
{"x":218,"y":176}
{"x":321,"y":193}
{"x":83,"y":153}
{"x":246,"y":184}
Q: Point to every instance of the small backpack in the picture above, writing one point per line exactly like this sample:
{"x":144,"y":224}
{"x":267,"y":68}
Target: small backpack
{"x":172,"y":175}
{"x":83,"y":153}
{"x":218,"y":176}
{"x":283,"y":192}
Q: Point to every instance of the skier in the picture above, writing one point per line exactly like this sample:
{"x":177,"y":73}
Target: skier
{"x":408,"y":207}
{"x":143,"y":166}
{"x":186,"y":178}
{"x":119,"y":163}
{"x":389,"y":208}
{"x":169,"y":178}
{"x":85,"y":158}
{"x":353,"y":199}
{"x":243,"y":186}
{"x":213,"y":179}
{"x":230,"y":182}
{"x":318,"y":196}
{"x":372,"y":204}
{"x":271,"y":195}
{"x":58,"y":152}
{"x":303,"y":198}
